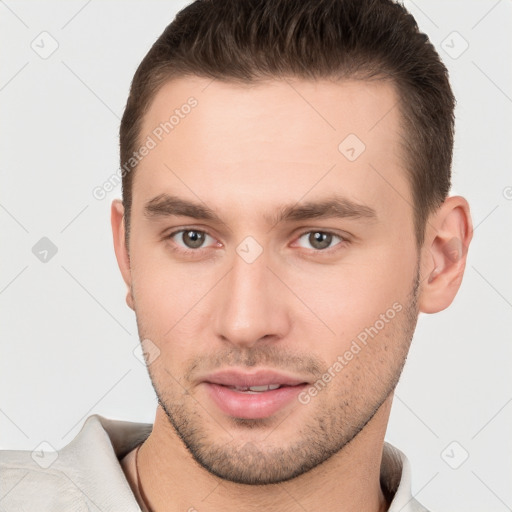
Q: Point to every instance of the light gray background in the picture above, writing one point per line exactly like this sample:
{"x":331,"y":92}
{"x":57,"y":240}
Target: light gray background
{"x":68,"y":338}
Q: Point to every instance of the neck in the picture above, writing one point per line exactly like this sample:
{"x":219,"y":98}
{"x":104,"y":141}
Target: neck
{"x":347,"y":482}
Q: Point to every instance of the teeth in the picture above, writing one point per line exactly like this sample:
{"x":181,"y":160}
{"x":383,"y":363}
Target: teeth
{"x":256,"y":389}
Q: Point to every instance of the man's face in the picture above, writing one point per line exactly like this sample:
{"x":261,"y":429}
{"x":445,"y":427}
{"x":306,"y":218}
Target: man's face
{"x":272,"y":280}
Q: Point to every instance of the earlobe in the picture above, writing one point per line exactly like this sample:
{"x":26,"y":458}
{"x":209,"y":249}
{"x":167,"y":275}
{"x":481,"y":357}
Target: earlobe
{"x":448,"y":235}
{"x":121,"y":250}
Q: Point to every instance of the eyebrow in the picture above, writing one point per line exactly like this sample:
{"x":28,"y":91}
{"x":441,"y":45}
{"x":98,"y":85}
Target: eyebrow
{"x":165,"y":205}
{"x":332,"y":207}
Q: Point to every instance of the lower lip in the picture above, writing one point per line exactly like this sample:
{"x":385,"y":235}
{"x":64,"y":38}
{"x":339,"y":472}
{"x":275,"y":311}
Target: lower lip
{"x":252,"y":405}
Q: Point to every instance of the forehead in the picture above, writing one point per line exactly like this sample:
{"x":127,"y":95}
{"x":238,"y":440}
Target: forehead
{"x":284,"y":137}
{"x":321,"y":110}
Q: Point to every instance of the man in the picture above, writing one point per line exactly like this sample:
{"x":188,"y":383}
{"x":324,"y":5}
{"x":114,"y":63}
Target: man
{"x":285,"y":218}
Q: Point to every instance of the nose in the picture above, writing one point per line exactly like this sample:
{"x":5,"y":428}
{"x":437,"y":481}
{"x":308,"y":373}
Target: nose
{"x":251,"y":305}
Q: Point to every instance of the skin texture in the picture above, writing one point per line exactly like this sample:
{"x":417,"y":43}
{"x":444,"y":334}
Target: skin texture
{"x":245,"y":152}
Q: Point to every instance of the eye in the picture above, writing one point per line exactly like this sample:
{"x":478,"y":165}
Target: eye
{"x":190,"y":238}
{"x":318,"y":240}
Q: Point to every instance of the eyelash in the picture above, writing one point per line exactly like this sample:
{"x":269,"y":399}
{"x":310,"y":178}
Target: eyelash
{"x":187,"y":251}
{"x":184,"y":250}
{"x":331,"y":233}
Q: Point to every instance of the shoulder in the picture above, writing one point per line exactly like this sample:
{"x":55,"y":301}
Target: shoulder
{"x":25,"y":482}
{"x":84,"y":475}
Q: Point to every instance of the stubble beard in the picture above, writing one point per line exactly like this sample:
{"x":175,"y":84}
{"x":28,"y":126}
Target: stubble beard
{"x":272,"y":459}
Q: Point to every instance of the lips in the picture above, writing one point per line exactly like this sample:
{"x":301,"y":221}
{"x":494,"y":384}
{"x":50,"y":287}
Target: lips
{"x":252,"y":395}
{"x":238,"y":379}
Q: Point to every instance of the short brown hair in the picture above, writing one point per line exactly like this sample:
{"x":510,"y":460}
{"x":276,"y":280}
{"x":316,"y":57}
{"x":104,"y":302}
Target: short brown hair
{"x":248,"y":41}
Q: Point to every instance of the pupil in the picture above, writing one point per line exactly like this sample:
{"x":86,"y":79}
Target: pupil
{"x":320,"y":240}
{"x":193,"y":239}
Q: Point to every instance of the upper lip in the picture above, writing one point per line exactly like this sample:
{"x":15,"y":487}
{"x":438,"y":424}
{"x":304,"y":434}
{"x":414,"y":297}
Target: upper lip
{"x":237,"y":378}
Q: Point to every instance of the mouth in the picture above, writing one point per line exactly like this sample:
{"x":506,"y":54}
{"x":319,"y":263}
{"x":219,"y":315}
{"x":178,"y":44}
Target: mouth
{"x":252,"y":395}
{"x":259,"y":380}
{"x":255,"y":389}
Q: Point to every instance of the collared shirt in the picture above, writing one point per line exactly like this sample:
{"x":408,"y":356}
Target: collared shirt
{"x":86,"y":475}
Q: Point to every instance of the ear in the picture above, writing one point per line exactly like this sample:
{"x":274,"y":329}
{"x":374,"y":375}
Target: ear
{"x":122,"y":255}
{"x":443,"y":257}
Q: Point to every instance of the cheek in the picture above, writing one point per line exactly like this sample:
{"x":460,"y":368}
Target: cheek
{"x":160,"y":293}
{"x":170,"y":301}
{"x":361,"y":292}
